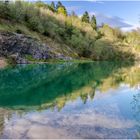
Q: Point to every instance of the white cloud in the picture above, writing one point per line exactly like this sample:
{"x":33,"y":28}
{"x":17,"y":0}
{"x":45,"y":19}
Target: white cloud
{"x":134,"y":26}
{"x":113,"y":21}
{"x":52,"y":125}
{"x":73,"y":8}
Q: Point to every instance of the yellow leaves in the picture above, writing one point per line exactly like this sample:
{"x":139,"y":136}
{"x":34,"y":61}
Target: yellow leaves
{"x":62,"y":11}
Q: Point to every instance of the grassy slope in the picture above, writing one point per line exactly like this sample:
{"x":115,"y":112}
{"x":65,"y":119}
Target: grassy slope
{"x":55,"y":46}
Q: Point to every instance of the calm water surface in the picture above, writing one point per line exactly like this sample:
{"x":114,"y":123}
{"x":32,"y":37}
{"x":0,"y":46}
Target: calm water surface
{"x":70,"y":100}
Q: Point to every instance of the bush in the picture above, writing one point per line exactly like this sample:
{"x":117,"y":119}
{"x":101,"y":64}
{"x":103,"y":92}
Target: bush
{"x":4,"y":10}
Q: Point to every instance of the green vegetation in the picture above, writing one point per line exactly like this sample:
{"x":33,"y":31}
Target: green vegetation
{"x":93,"y":22}
{"x":68,"y":33}
{"x":85,"y":17}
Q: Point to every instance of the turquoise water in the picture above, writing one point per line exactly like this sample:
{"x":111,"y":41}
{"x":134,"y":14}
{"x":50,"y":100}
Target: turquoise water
{"x":70,"y":100}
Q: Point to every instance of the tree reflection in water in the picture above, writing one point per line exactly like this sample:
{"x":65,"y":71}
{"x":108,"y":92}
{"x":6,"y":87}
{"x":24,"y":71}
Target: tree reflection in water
{"x":55,"y":86}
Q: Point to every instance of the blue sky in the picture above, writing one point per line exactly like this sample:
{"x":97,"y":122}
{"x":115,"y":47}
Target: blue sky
{"x":124,"y":14}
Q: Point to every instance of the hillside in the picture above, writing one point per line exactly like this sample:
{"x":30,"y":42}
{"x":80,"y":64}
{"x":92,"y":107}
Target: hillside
{"x":39,"y":32}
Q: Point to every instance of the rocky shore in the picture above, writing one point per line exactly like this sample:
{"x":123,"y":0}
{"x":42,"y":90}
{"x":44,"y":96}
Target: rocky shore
{"x":23,"y":49}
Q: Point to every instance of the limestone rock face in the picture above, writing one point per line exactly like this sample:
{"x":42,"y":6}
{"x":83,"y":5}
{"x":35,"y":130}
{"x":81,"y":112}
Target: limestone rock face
{"x":18,"y":46}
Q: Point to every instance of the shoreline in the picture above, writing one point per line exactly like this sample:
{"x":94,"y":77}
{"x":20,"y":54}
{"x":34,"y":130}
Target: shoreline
{"x":5,"y":62}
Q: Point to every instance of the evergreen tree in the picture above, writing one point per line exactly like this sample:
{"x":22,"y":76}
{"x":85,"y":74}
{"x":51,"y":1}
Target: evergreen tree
{"x":6,"y":1}
{"x":85,"y":17}
{"x":61,"y":9}
{"x":93,"y":22}
{"x":59,"y":4}
{"x":52,"y":6}
{"x":73,"y":14}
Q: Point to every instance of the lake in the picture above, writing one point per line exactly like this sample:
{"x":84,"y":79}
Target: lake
{"x":70,"y":100}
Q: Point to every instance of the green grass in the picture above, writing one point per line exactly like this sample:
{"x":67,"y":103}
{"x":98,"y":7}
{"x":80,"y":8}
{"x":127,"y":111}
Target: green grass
{"x":32,"y":60}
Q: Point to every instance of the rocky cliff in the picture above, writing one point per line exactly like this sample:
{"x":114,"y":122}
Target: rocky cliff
{"x":20,"y":48}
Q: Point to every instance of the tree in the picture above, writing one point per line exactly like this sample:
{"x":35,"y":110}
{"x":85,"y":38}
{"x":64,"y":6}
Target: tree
{"x":73,"y":14}
{"x":62,"y":10}
{"x":5,"y":9}
{"x":40,"y":4}
{"x":69,"y":28}
{"x":6,"y":1}
{"x":85,"y":17}
{"x":59,"y":4}
{"x":52,"y":6}
{"x":93,"y":22}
